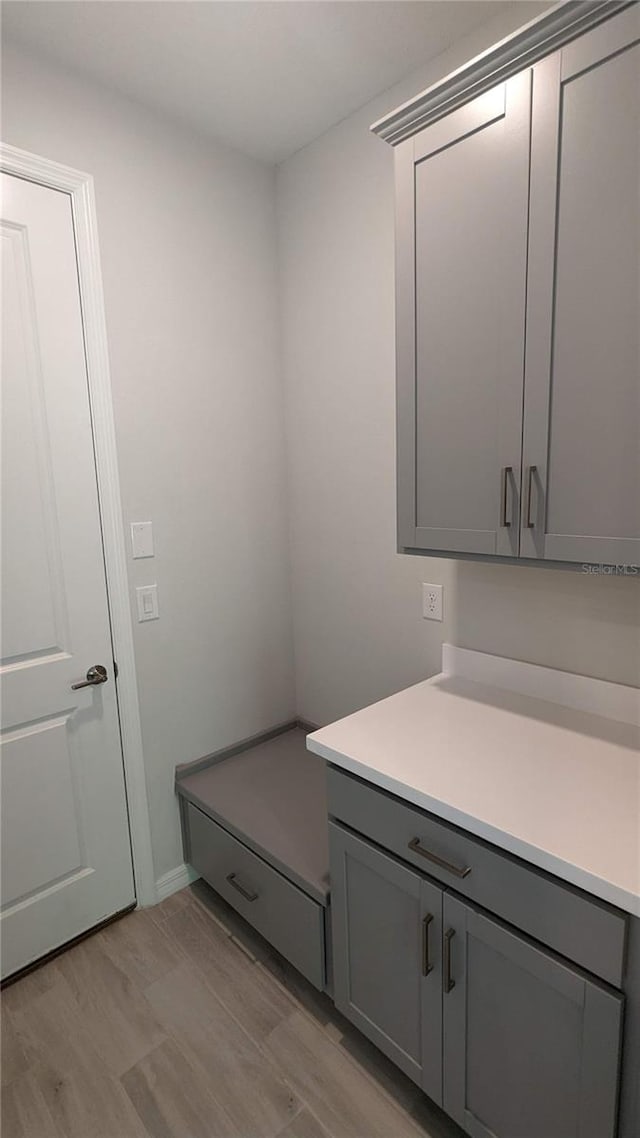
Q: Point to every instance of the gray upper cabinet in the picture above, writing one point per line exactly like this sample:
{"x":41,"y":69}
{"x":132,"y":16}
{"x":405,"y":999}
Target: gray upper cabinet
{"x":518,"y":298}
{"x":582,"y":377}
{"x":386,"y":928}
{"x":531,"y":1045}
{"x":461,"y":270}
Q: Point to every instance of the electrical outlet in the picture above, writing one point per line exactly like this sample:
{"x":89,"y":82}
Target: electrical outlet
{"x":432,"y":602}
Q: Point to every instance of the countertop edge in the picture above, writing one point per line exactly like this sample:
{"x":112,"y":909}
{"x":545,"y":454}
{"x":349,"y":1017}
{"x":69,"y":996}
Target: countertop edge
{"x":534,"y":855}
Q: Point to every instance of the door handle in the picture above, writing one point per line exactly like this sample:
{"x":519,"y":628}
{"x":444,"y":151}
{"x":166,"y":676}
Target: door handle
{"x":448,"y":981}
{"x":97,"y":674}
{"x":427,"y":966}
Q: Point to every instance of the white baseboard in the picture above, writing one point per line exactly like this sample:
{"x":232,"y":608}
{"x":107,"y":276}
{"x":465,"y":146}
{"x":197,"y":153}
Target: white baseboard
{"x":175,"y":879}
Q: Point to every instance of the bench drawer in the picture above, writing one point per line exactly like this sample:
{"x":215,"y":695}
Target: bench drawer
{"x":583,"y":929}
{"x":282,"y":913}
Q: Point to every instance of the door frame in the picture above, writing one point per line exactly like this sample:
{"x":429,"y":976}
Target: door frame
{"x":80,"y":188}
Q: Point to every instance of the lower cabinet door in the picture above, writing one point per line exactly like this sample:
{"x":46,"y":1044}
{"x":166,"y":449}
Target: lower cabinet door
{"x":531,"y":1046}
{"x":387,"y":957}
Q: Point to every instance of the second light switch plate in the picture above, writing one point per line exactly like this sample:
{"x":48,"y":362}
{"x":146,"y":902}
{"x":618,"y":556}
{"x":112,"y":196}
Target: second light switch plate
{"x":141,"y":539}
{"x":147,"y":600}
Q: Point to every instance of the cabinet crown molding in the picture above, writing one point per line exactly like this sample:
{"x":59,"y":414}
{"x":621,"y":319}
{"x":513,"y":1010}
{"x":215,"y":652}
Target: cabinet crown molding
{"x":522,"y":48}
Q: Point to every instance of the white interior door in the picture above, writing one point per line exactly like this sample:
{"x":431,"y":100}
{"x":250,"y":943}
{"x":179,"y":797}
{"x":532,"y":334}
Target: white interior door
{"x":66,"y":857}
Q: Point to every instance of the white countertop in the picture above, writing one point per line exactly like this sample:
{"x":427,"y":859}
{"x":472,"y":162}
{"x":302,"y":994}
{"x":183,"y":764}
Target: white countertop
{"x":557,"y":785}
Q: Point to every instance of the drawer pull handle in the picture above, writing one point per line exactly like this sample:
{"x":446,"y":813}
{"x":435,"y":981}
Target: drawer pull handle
{"x":415,"y":847}
{"x":427,"y":966}
{"x":449,"y":982}
{"x":231,"y":878}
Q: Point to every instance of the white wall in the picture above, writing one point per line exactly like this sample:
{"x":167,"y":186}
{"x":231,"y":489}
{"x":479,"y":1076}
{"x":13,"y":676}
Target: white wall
{"x":187,"y":235}
{"x":359,"y":633}
{"x":187,"y":232}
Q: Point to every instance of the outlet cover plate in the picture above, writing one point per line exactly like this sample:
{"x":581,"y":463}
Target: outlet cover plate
{"x":432,"y":598}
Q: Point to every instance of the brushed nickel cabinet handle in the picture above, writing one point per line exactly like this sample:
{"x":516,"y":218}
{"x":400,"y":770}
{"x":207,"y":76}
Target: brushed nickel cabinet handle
{"x":427,"y":966}
{"x":231,"y":878}
{"x":506,"y":471}
{"x":415,"y":847}
{"x":449,"y":982}
{"x":532,"y":470}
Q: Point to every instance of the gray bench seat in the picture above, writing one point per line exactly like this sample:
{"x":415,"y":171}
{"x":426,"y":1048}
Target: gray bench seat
{"x":255,"y":827}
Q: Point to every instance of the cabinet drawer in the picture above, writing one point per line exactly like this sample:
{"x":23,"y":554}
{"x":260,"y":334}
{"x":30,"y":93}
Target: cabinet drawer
{"x":581,"y":928}
{"x":282,"y":913}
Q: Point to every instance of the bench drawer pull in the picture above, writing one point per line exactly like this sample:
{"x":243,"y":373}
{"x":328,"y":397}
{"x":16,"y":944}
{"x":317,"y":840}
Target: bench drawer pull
{"x":231,"y":878}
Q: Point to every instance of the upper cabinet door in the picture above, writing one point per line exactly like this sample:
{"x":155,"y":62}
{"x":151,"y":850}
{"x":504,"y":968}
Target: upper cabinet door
{"x":581,"y":461}
{"x":462,"y":201}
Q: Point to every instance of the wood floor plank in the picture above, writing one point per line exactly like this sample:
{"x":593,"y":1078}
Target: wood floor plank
{"x":304,"y":1125}
{"x":21,"y":992}
{"x":340,"y":1095}
{"x":139,"y":947}
{"x":88,"y":1105}
{"x":121,"y":1023}
{"x":83,"y":1100}
{"x":247,"y":1087}
{"x":172,"y":1098}
{"x":14,"y":1060}
{"x":317,"y":1004}
{"x":24,"y":1112}
{"x":51,"y":1031}
{"x":398,"y":1085}
{"x":244,"y":989}
{"x":172,"y":904}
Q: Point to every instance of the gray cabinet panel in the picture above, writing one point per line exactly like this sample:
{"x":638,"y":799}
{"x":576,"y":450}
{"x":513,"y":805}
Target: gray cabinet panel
{"x":531,"y":1046}
{"x":582,"y":380}
{"x":462,"y":188}
{"x":386,"y":928}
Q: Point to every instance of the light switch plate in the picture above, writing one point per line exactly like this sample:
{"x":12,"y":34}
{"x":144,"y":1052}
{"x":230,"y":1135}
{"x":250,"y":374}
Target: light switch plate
{"x":147,"y":600}
{"x":432,"y":602}
{"x":141,"y":539}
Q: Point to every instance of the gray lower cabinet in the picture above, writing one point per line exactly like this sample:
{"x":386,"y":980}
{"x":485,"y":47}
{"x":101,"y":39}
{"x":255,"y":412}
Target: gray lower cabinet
{"x":387,"y":933}
{"x":531,"y":1046}
{"x":509,"y":1039}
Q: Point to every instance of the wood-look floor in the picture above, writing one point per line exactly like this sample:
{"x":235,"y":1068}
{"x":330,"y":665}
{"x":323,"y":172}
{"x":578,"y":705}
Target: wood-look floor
{"x":181,"y":1022}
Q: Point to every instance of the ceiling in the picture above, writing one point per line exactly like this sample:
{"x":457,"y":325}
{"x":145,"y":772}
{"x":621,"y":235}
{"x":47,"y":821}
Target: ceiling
{"x":264,"y":76}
